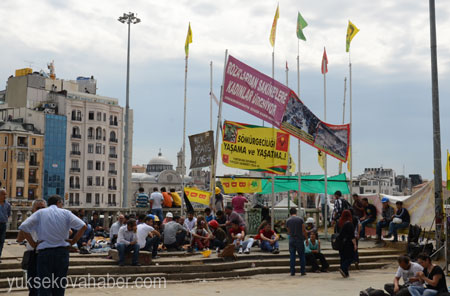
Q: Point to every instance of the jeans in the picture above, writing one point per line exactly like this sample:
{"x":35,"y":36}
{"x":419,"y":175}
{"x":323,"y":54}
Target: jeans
{"x":159,"y":213}
{"x":151,"y":245}
{"x":52,"y":266}
{"x":403,"y":291}
{"x":380,"y":226}
{"x":244,"y":244}
{"x":323,"y":213}
{"x":32,"y":274}
{"x":421,"y":291}
{"x":393,"y":227}
{"x":363,"y":226}
{"x":2,"y":236}
{"x":311,"y":259}
{"x":266,"y":246}
{"x":345,"y":262}
{"x":217,"y":244}
{"x":296,"y":246}
{"x":123,"y":249}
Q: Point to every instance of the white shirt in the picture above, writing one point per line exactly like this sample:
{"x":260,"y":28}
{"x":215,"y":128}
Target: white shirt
{"x":189,"y":225}
{"x":411,"y":272}
{"x":125,"y":236}
{"x":114,"y":230}
{"x":35,"y":238}
{"x":158,"y":199}
{"x":322,"y":200}
{"x":52,"y":226}
{"x":142,"y":233}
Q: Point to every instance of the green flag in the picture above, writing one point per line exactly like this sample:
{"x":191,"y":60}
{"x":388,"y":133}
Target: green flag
{"x":301,"y":24}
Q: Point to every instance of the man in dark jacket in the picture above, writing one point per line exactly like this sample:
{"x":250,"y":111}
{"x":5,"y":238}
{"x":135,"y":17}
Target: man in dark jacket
{"x":387,"y":213}
{"x":400,"y":220}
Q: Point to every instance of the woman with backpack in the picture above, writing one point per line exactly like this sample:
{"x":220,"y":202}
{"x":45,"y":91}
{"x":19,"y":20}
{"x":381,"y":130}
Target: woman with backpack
{"x":347,"y":242}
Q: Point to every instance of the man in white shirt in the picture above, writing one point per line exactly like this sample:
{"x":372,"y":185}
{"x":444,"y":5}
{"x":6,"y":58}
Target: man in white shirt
{"x":325,"y":205}
{"x":408,"y":271}
{"x":190,"y":222}
{"x":156,"y":203}
{"x":147,"y":237}
{"x":127,"y":243}
{"x":114,"y":230}
{"x":52,"y":226}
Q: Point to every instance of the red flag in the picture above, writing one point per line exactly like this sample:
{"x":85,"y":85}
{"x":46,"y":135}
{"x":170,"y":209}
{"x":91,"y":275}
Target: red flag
{"x":324,"y":62}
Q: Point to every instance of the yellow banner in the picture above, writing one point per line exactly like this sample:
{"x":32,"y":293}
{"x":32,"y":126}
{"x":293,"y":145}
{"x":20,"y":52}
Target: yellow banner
{"x":241,"y":185}
{"x":198,"y":196}
{"x":252,"y":147}
{"x":273,"y":31}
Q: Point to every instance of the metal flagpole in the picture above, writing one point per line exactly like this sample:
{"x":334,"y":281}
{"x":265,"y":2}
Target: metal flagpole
{"x":183,"y":164}
{"x":343,"y":116}
{"x":299,"y":193}
{"x":289,"y":150}
{"x":213,"y":196}
{"x":325,"y":160}
{"x":436,"y":127}
{"x":272,"y":212}
{"x":351,"y":125}
{"x":219,"y":120}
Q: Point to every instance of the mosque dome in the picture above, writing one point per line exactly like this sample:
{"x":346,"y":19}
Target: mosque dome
{"x":159,"y":164}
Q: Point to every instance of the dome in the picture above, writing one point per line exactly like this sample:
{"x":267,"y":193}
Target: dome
{"x":158,"y":164}
{"x":142,"y":177}
{"x":160,"y":160}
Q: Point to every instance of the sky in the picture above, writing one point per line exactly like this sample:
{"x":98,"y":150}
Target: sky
{"x":391,"y":77}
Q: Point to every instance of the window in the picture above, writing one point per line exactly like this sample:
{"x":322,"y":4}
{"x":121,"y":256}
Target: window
{"x":32,"y":176}
{"x":103,"y":166}
{"x":98,"y":148}
{"x":21,"y":156}
{"x":112,"y":149}
{"x":99,"y":116}
{"x":104,"y":149}
{"x":89,"y":181}
{"x":19,"y":191}
{"x":88,"y":198}
{"x":71,"y":199}
{"x":103,"y":181}
{"x":33,"y":158}
{"x":33,"y":141}
{"x":5,"y":156}
{"x":22,"y":141}
{"x":104,"y":116}
{"x":97,"y":181}
{"x":77,"y":199}
{"x":90,"y":165}
{"x":6,"y":140}
{"x":98,"y":133}
{"x":98,"y":166}
{"x":31,"y":194}
{"x":109,"y":199}
{"x":20,"y":174}
{"x":4,"y":174}
{"x":75,"y":147}
{"x":91,"y":115}
{"x":75,"y":164}
{"x":90,"y":133}
{"x":114,"y":199}
{"x":112,"y":166}
{"x":90,"y":148}
{"x":97,"y":198}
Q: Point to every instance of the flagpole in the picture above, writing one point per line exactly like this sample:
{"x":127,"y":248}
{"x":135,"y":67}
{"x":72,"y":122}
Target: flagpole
{"x":351,"y":125}
{"x":325,"y":158}
{"x":343,"y":116}
{"x":299,"y":195}
{"x":213,"y":197}
{"x":289,"y":150}
{"x":183,"y":168}
{"x":219,"y":120}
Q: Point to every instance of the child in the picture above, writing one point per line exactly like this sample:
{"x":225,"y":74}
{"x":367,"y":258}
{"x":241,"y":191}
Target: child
{"x":237,"y":234}
{"x":269,"y":239}
{"x":200,"y":236}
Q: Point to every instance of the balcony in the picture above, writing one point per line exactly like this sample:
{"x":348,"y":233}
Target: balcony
{"x":98,"y":138}
{"x":75,"y":152}
{"x":112,"y":187}
{"x":75,"y":136}
{"x":76,"y":118}
{"x":113,"y":123}
{"x":22,"y":144}
{"x":112,"y":155}
{"x":33,"y":181}
{"x":34,"y":163}
{"x":75,"y":170}
{"x":113,"y":140}
{"x":90,"y":137}
{"x":97,"y":205}
{"x":74,"y":203}
{"x":112,"y":204}
{"x":112,"y":172}
{"x":75,"y":186}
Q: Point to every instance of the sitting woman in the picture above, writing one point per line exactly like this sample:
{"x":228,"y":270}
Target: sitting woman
{"x":269,"y":240}
{"x":432,"y":276}
{"x":312,"y":254}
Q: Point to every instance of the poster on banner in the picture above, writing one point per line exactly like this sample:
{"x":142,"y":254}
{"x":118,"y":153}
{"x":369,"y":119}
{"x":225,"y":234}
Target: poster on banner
{"x":198,"y":196}
{"x":202,"y":149}
{"x":252,"y":147}
{"x":300,"y":122}
{"x":241,"y":185}
{"x":254,"y":92}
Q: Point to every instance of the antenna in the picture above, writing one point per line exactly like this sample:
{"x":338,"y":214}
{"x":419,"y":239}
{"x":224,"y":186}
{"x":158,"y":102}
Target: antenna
{"x":30,"y":63}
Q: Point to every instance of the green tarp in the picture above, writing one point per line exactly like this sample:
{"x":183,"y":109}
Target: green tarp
{"x":310,"y":184}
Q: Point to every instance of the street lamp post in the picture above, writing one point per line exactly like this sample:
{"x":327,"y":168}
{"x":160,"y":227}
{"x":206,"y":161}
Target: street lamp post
{"x":127,"y":18}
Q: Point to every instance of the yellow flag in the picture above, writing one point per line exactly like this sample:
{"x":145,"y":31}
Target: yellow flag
{"x":199,"y":196}
{"x":448,"y":171}
{"x":321,"y":158}
{"x":273,"y":31}
{"x":352,"y":30}
{"x":188,"y":40}
{"x":292,"y":168}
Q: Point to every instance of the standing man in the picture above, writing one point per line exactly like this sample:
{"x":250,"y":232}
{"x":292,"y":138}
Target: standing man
{"x":387,"y":214}
{"x":358,"y":207}
{"x":218,"y":202}
{"x":156,"y":203}
{"x":52,"y":226}
{"x":5,"y":213}
{"x":238,"y":202}
{"x":297,"y":234}
{"x":127,"y":242}
{"x":325,"y":206}
{"x":142,"y":199}
{"x":340,"y":205}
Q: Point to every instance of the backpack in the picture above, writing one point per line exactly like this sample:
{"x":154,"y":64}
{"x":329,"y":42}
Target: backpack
{"x":346,"y":205}
{"x":372,"y":292}
{"x":337,"y":243}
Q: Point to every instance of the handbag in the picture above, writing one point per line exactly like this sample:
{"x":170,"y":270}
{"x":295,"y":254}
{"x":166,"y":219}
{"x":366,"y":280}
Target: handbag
{"x":337,"y":243}
{"x":26,"y":258}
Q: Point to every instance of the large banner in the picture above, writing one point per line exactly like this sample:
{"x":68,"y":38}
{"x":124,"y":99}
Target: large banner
{"x":254,"y":92}
{"x":300,"y":122}
{"x":258,"y":94}
{"x":198,"y":196}
{"x":202,"y":149}
{"x":240,"y":185}
{"x":252,"y":147}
